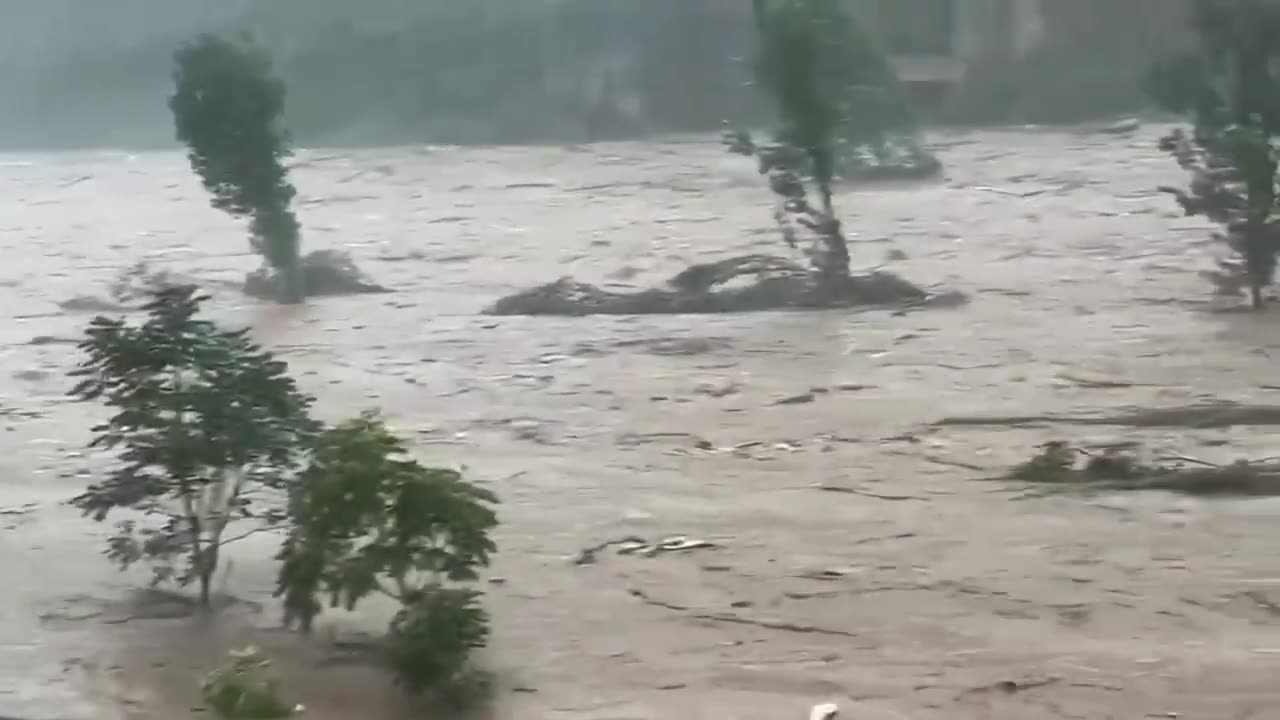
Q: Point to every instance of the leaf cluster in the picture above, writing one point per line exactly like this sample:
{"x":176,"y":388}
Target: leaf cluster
{"x":1229,"y":89}
{"x":203,"y":421}
{"x":367,"y":517}
{"x":245,"y":688}
{"x":430,"y":641}
{"x":227,"y":108}
{"x":798,"y":58}
{"x":790,"y":68}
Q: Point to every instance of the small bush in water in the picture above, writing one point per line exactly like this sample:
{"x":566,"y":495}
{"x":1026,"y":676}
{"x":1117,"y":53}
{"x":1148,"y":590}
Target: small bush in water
{"x":246,"y":689}
{"x":369,"y":519}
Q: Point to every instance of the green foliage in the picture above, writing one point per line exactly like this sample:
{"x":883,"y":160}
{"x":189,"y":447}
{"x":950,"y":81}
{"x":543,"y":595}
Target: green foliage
{"x":1068,"y":468}
{"x":832,"y":82}
{"x":790,"y":68}
{"x":834,"y":86}
{"x":204,"y":421}
{"x":368,"y":518}
{"x":227,"y":106}
{"x":245,"y":689}
{"x":1229,"y":89}
{"x":430,"y":642}
{"x":841,"y":113}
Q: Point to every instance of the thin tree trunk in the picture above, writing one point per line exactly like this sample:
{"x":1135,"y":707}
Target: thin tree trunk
{"x":277,"y":236}
{"x":207,"y":560}
{"x":198,"y":562}
{"x":837,"y":258}
{"x":293,"y":290}
{"x":206,"y":599}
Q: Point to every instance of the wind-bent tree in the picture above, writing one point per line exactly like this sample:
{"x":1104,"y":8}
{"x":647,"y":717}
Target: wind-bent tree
{"x":841,"y":111}
{"x":877,"y":132}
{"x":1228,"y":88}
{"x":789,"y":67}
{"x":824,"y":106}
{"x":227,"y":107}
{"x":206,"y":424}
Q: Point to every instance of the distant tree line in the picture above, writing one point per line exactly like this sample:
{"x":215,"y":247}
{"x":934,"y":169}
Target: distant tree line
{"x":463,"y":72}
{"x":486,"y":71}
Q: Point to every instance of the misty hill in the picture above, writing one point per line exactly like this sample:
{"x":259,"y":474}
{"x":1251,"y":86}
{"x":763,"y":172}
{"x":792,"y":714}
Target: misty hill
{"x":75,"y":73}
{"x":384,"y":70}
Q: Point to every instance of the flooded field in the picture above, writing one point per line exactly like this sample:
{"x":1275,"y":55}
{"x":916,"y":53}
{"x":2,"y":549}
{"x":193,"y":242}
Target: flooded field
{"x":858,"y":558}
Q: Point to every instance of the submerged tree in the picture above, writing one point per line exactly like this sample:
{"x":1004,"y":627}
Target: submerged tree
{"x":207,"y":425}
{"x":823,"y":105}
{"x":876,"y":134}
{"x":227,"y":108}
{"x":1229,"y":89}
{"x":874,"y":131}
{"x":790,"y":69}
{"x":366,"y":518}
{"x":246,"y":688}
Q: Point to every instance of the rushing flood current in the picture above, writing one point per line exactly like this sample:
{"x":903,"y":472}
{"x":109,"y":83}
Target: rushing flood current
{"x":1085,"y":295}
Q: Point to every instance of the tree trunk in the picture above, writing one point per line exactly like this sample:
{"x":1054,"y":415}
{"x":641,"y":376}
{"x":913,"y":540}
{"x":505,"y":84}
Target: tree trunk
{"x":206,"y":594}
{"x":293,"y":289}
{"x":277,"y":237}
{"x":1255,"y":294}
{"x":206,"y":564}
{"x":836,"y":261}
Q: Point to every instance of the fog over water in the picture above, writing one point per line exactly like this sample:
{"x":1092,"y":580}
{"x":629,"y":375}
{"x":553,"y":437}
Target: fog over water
{"x":96,"y":74}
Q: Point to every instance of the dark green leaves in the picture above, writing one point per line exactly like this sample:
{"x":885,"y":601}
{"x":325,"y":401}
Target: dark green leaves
{"x":1228,"y":88}
{"x":431,"y":639}
{"x":788,"y":68}
{"x":227,"y":106}
{"x":201,"y":415}
{"x":205,"y":420}
{"x":838,"y":97}
{"x":800,"y":63}
{"x":367,"y":517}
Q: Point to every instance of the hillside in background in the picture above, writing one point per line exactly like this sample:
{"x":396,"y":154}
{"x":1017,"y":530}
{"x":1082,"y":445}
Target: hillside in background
{"x":74,"y":73}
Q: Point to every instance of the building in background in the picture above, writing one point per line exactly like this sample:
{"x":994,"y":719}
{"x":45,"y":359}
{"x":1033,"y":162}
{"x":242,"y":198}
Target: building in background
{"x":935,"y":42}
{"x":1027,"y":60}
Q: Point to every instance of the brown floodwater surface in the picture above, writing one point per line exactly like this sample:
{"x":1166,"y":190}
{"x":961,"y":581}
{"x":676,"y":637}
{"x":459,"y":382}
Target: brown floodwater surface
{"x":923,"y":594}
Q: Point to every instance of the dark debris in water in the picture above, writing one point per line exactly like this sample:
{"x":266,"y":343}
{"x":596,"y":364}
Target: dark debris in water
{"x":749,"y":283}
{"x":1068,"y":467}
{"x":143,"y":604}
{"x":324,"y":272}
{"x":1208,"y":415}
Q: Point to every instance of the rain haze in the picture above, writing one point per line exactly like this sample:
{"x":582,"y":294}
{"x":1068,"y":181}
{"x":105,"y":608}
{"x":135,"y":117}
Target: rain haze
{"x":740,"y":474}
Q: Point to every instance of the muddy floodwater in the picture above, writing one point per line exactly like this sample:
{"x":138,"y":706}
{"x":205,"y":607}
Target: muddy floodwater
{"x":907,"y":589}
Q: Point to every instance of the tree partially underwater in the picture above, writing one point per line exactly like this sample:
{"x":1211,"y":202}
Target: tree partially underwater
{"x":213,"y":442}
{"x":818,"y":47}
{"x":227,"y":106}
{"x":1230,"y":91}
{"x":835,"y":97}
